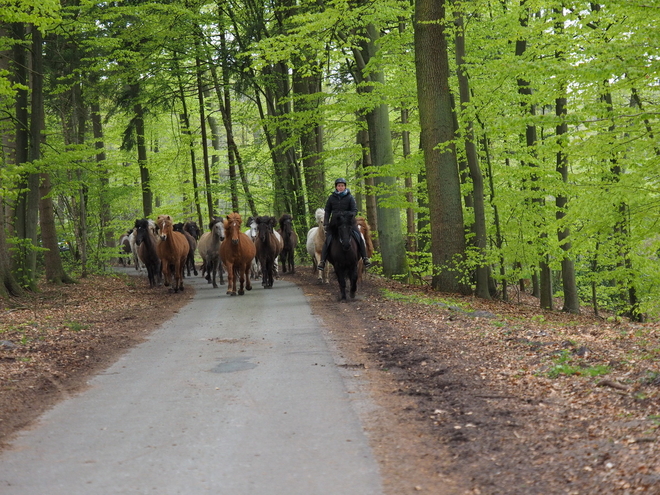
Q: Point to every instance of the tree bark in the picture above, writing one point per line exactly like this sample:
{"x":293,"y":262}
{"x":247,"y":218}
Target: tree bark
{"x":437,"y":135}
{"x":390,"y":238}
{"x":482,"y":271}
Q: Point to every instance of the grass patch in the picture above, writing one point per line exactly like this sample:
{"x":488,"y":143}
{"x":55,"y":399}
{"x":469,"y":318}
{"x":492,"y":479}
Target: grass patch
{"x":564,"y":365}
{"x":430,"y":301}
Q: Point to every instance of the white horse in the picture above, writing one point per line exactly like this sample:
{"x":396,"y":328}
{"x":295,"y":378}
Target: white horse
{"x":315,"y":241}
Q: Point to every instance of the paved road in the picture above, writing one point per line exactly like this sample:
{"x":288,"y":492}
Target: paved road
{"x":235,"y":395}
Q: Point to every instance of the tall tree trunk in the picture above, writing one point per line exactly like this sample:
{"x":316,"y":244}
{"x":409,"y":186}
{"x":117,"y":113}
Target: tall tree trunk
{"x":390,"y":238}
{"x":571,"y":299}
{"x":435,"y":115}
{"x":107,"y":236}
{"x":525,"y":90}
{"x":308,"y":98}
{"x":482,"y":290}
{"x":145,"y":179}
{"x":184,"y":118}
{"x":8,"y":283}
{"x":224,"y":101}
{"x":27,"y":203}
{"x":52,"y":260}
{"x":205,"y":149}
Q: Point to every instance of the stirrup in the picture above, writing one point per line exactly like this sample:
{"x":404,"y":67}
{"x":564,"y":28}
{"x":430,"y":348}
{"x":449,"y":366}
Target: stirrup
{"x":366,"y":261}
{"x":321,"y":266}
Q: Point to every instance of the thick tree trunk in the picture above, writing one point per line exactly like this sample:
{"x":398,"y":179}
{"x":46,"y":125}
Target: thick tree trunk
{"x":390,"y":238}
{"x":435,"y":114}
{"x":147,"y":194}
{"x":482,"y":290}
{"x":52,"y":260}
{"x":8,"y":284}
{"x":105,"y":214}
{"x":205,"y":149}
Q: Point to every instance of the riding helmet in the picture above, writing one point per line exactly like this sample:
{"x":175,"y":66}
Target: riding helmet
{"x":340,"y":181}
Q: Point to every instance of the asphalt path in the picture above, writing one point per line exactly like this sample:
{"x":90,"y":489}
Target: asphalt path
{"x":234,"y":395}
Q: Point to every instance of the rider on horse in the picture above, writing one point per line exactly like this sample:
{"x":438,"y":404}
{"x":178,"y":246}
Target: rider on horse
{"x":341,"y":200}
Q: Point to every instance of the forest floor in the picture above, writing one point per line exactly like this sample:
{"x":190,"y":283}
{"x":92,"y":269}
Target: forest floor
{"x":471,"y":396}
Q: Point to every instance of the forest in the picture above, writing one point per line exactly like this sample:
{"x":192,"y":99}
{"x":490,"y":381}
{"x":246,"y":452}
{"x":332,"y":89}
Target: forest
{"x":493,"y":145}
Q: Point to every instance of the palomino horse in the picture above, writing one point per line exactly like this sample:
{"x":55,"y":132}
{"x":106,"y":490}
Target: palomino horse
{"x":365,"y":230}
{"x":315,"y":241}
{"x":146,"y":241}
{"x":268,"y":247}
{"x":209,"y":250}
{"x":343,"y":251}
{"x":192,"y":245}
{"x":237,"y":252}
{"x":173,"y":251}
{"x":290,"y":239}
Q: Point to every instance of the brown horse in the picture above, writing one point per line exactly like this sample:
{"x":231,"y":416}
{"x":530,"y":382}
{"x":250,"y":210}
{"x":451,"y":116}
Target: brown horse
{"x":290,"y":239}
{"x":268,"y":248}
{"x":172,"y":251}
{"x":192,"y":245}
{"x":365,"y":230}
{"x":236,"y":252}
{"x":315,"y":241}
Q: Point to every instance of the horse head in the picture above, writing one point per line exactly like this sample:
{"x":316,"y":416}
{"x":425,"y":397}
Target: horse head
{"x":264,"y":227}
{"x":192,"y":228}
{"x":342,"y":226}
{"x":286,"y":224}
{"x":217,"y":228}
{"x":233,"y":226}
{"x":252,"y":224}
{"x":142,"y":230}
{"x":165,"y":226}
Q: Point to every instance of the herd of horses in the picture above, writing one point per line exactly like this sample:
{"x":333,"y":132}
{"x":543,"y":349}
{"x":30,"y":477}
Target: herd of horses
{"x":167,"y":250}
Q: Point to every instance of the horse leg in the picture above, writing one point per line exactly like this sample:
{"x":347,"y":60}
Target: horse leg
{"x":231,"y":281}
{"x":214,"y":268}
{"x":242,"y":276}
{"x":354,"y":278}
{"x":341,"y":278}
{"x":246,"y":271}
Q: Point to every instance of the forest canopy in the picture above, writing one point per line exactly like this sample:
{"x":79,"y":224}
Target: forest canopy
{"x":493,"y":146}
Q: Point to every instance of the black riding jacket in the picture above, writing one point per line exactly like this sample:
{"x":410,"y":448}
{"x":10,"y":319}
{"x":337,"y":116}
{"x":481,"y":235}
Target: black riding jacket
{"x":338,"y":203}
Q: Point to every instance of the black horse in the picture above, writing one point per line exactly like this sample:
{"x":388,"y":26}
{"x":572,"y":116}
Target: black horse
{"x":343,"y":251}
{"x":146,"y":241}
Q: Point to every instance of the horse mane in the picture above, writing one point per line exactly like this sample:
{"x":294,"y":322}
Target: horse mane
{"x":233,"y":217}
{"x":283,"y":220}
{"x":341,"y":218}
{"x":165,"y":220}
{"x":320,"y":216}
{"x":364,"y":227}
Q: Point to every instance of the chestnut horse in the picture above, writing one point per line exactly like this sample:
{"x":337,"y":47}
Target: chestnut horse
{"x":173,"y":251}
{"x":343,"y":252}
{"x":146,"y":241}
{"x":237,"y":252}
{"x":268,"y":248}
{"x":365,"y":230}
{"x":315,"y":241}
{"x":290,"y":239}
